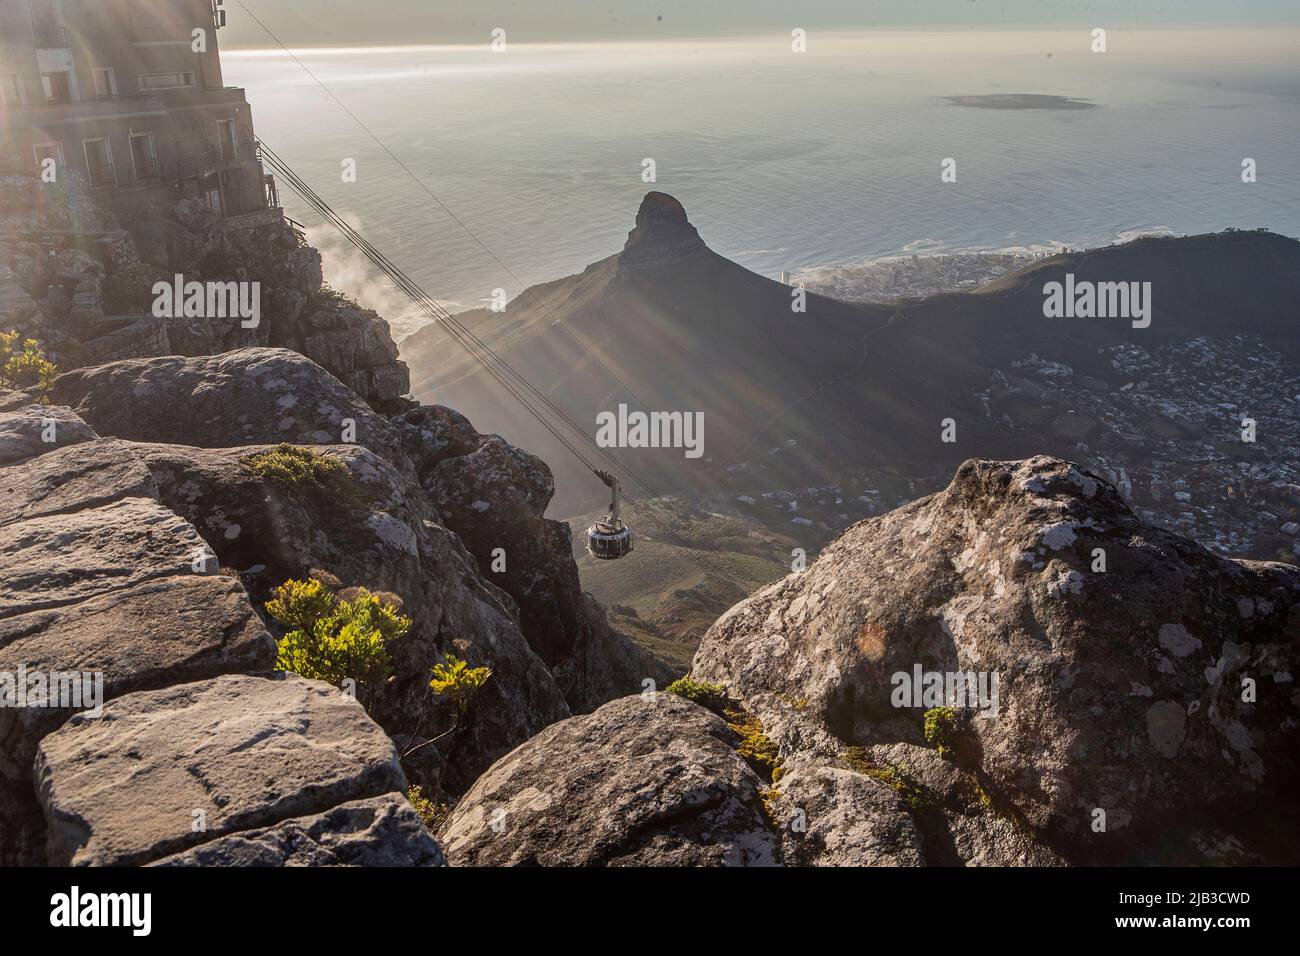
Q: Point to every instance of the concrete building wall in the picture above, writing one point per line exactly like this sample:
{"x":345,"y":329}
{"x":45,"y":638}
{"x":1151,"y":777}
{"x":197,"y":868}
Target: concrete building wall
{"x":161,"y":117}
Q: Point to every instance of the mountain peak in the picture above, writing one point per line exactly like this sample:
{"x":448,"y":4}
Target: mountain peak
{"x":662,"y":236}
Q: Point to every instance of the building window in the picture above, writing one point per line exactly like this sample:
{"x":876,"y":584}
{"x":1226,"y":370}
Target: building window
{"x":105,"y":83}
{"x":47,"y":25}
{"x":165,"y":81}
{"x":144,"y":161}
{"x":226,"y":141}
{"x":99,"y":162}
{"x":58,"y":87}
{"x":11,"y":90}
{"x":44,"y":151}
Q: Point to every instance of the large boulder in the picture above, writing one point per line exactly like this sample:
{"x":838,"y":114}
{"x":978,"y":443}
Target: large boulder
{"x":28,"y":430}
{"x":56,"y":560}
{"x":834,"y":817}
{"x":249,"y":396}
{"x":355,"y":344}
{"x":143,"y":637}
{"x":495,"y":497}
{"x":381,"y":831}
{"x":1140,"y":678}
{"x":373,"y":528}
{"x":648,"y":781}
{"x":162,"y":771}
{"x":12,"y":400}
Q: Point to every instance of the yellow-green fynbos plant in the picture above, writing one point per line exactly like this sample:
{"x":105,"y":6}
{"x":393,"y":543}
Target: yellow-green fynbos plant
{"x":712,"y":696}
{"x":332,"y":638}
{"x":294,"y":465}
{"x":431,"y":814}
{"x":23,"y":365}
{"x":455,"y":679}
{"x":941,"y":730}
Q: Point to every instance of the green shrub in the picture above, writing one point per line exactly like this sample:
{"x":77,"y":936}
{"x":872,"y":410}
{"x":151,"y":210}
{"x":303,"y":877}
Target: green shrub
{"x":293,"y":465}
{"x":455,"y":679}
{"x":712,"y":696}
{"x":431,"y":814}
{"x":23,"y":365}
{"x":333,"y":638}
{"x":756,"y":748}
{"x":941,"y":730}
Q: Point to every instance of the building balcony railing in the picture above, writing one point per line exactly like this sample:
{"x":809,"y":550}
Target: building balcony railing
{"x":229,"y":154}
{"x":38,"y":112}
{"x":50,"y":35}
{"x":185,"y":175}
{"x":140,"y":172}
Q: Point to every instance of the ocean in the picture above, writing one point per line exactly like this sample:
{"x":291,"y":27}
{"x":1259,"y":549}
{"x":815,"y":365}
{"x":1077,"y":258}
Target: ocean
{"x":783,"y":160}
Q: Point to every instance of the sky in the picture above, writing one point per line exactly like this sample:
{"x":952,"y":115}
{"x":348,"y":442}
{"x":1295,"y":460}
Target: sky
{"x":303,"y":23}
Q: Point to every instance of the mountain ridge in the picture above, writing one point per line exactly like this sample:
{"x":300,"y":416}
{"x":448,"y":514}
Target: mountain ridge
{"x":852,"y":384}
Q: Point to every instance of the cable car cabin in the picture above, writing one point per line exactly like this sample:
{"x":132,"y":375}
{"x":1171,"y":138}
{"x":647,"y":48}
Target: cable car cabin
{"x":609,"y":538}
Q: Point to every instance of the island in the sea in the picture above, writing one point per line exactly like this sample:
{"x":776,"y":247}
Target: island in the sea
{"x":1021,"y":101}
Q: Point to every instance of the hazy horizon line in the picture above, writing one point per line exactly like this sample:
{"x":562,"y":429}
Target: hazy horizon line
{"x":271,"y":49}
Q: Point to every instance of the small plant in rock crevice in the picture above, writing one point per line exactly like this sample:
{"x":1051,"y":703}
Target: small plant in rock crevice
{"x":710,"y":696}
{"x":898,"y":779}
{"x":941,"y":731}
{"x":459,"y":683}
{"x":24,"y":367}
{"x":454,"y":679}
{"x":432,"y":815}
{"x":756,"y":748}
{"x":294,"y":465}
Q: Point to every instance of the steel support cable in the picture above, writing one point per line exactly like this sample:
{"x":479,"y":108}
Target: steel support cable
{"x":483,"y":356}
{"x":414,"y":178}
{"x":497,"y":367}
{"x":604,"y":452}
{"x":327,"y":213}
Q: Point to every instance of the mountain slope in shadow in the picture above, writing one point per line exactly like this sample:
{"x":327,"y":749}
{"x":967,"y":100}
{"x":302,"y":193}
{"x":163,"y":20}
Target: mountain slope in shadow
{"x":794,"y":399}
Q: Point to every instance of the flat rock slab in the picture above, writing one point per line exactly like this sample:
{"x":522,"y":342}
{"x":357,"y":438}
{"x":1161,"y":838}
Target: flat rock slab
{"x":57,"y":560}
{"x":24,"y":432}
{"x":163,"y":771}
{"x":383,"y":831}
{"x":636,"y":782}
{"x":73,"y":478}
{"x":163,"y":632}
